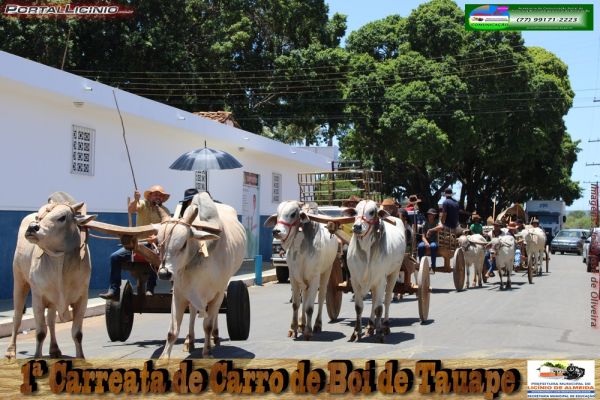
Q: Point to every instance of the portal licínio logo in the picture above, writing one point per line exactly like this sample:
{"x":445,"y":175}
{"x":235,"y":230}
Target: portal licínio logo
{"x":65,"y":9}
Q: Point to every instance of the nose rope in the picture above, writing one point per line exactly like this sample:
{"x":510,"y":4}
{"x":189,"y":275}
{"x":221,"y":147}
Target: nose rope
{"x":369,"y":222}
{"x":167,"y":239}
{"x":290,"y":226}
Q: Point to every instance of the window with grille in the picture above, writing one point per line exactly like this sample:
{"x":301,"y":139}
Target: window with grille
{"x":82,"y":150}
{"x":276,"y":188}
{"x":200,"y":181}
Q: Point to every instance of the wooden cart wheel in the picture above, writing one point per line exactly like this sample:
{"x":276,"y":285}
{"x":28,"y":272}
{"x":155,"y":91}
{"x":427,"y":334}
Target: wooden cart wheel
{"x":530,"y":267}
{"x":333,"y":300}
{"x":238,"y":311}
{"x":423,"y":289}
{"x":459,"y":269}
{"x":119,"y":314}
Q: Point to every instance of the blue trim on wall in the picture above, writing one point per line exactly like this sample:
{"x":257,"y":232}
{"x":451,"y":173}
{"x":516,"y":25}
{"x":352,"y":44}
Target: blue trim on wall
{"x":100,"y":249}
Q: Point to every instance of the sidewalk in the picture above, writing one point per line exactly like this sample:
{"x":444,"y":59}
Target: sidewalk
{"x":96,"y":305}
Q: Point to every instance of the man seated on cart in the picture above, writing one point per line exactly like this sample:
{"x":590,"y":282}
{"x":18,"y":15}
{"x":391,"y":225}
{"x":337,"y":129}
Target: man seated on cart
{"x":147,"y":213}
{"x":430,"y":237}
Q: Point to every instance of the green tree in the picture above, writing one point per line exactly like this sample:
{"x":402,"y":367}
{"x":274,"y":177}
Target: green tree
{"x":218,"y":54}
{"x":449,"y":106}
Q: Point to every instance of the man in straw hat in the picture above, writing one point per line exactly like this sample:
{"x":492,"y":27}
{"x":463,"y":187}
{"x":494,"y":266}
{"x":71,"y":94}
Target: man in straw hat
{"x":147,"y":213}
{"x":412,"y":201}
{"x":390,"y":206}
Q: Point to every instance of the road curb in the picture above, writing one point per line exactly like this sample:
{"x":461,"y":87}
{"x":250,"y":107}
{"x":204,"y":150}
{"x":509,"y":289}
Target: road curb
{"x":96,"y":306}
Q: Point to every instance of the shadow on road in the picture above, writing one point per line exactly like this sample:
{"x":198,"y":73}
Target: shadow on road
{"x":324,"y":336}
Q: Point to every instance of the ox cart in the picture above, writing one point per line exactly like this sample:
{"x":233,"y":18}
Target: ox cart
{"x":513,"y":213}
{"x":449,"y":249}
{"x":119,"y":313}
{"x":328,"y":190}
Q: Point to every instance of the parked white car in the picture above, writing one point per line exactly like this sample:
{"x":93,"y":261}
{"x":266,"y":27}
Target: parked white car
{"x":586,"y":249}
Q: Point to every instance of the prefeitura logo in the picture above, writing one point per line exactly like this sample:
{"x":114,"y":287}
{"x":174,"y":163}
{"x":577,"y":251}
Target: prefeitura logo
{"x":65,"y":10}
{"x":567,"y":379}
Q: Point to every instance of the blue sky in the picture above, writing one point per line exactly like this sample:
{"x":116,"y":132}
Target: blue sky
{"x":579,"y":50}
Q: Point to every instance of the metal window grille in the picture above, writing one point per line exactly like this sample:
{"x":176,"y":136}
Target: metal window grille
{"x":276,"y":188}
{"x":82,"y":150}
{"x":200,"y":181}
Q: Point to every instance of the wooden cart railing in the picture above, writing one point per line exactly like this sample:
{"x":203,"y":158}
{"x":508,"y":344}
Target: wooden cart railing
{"x":333,"y":187}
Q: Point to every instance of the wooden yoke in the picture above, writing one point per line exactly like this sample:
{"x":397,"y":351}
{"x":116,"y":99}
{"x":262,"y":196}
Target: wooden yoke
{"x":334,"y":224}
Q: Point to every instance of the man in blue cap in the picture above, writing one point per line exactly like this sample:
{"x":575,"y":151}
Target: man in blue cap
{"x":450,"y":210}
{"x":188,"y":195}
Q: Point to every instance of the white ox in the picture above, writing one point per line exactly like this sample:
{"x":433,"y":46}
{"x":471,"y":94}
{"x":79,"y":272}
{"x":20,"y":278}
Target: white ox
{"x":474,"y":251}
{"x":375,"y":255}
{"x":199,"y":281}
{"x":504,"y":249}
{"x":311,"y":251}
{"x":52,"y":259}
{"x":535,"y":243}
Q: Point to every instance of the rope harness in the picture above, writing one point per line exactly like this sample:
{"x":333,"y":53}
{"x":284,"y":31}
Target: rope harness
{"x":162,"y":245}
{"x":371,"y":222}
{"x":290,"y":226}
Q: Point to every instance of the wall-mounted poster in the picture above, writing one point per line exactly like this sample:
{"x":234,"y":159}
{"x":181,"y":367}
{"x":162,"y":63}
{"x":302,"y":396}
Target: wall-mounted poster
{"x":250,"y":212}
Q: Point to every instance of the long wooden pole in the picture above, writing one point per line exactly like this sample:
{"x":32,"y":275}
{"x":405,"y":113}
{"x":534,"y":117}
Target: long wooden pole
{"x":129,"y":218}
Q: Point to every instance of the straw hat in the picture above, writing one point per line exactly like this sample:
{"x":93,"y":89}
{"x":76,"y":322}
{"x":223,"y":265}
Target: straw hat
{"x":413,"y":199}
{"x":157,"y":188}
{"x":512,"y":225}
{"x":432,"y":211}
{"x":351,"y":199}
{"x":389,"y":202}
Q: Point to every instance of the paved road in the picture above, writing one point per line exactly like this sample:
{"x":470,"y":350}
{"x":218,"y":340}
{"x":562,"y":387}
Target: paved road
{"x":549,"y":319}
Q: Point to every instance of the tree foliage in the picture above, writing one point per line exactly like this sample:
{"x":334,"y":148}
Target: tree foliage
{"x":418,"y":97}
{"x":448,"y":105}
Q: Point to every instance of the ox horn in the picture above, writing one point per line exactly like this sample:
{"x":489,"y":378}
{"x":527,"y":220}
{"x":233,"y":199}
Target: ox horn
{"x":191,"y":216}
{"x":77,"y":206}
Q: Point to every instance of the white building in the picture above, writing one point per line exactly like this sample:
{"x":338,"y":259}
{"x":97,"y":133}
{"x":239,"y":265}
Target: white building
{"x":63,"y":132}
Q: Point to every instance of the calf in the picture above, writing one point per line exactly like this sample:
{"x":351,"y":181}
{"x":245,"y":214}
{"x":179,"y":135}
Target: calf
{"x":504,"y":249}
{"x":375,"y":255}
{"x":474,"y":251}
{"x":311,"y":251}
{"x":535,"y":243}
